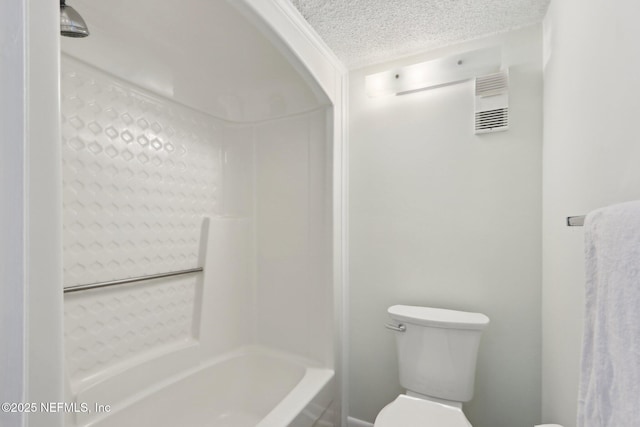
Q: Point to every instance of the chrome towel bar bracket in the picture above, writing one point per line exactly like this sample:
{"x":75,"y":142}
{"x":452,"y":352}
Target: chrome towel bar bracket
{"x":575,"y":221}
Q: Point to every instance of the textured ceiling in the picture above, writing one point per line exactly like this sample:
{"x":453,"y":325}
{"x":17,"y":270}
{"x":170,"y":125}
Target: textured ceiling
{"x":365,"y":32}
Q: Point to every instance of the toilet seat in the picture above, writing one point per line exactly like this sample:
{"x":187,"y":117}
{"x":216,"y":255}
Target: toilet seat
{"x":408,"y":411}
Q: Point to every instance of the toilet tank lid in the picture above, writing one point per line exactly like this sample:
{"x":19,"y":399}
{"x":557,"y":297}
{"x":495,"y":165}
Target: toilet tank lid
{"x":438,"y":317}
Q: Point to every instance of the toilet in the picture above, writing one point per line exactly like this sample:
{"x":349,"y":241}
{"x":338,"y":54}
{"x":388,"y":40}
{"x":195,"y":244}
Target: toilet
{"x":437,"y":352}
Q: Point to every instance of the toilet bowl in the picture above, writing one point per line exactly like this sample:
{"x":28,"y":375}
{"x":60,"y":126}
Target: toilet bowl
{"x":407,"y":411}
{"x":437,"y":352}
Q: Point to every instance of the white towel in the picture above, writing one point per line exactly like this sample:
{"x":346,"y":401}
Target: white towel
{"x":609,"y":393}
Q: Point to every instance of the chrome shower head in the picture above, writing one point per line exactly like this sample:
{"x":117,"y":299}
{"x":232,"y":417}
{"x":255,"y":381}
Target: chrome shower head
{"x":71,"y":23}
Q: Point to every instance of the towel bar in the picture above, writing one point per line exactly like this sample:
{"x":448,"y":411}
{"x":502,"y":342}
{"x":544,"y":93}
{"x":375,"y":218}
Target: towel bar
{"x":96,"y":285}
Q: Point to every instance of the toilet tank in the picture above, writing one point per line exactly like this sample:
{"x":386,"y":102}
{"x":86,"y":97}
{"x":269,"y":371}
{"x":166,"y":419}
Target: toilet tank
{"x":438,"y":349}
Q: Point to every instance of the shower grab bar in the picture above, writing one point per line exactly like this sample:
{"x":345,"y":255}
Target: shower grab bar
{"x":96,"y":285}
{"x":575,"y":221}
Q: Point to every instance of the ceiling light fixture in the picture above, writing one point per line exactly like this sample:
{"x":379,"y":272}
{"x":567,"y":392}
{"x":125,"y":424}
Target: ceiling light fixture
{"x":434,"y":73}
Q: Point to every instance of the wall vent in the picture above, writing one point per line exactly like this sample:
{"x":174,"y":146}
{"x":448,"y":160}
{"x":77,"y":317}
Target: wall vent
{"x":492,"y":103}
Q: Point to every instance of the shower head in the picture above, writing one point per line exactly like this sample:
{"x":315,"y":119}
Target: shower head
{"x":71,"y":23}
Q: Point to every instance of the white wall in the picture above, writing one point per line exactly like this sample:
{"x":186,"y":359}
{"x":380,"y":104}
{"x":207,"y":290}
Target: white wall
{"x":30,"y":222}
{"x":13,"y":152}
{"x":442,"y":217}
{"x":591,"y":152}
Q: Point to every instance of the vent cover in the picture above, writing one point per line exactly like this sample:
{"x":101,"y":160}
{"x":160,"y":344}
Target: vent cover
{"x":492,"y":103}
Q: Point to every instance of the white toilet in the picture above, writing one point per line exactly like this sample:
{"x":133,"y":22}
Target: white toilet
{"x":437,"y":351}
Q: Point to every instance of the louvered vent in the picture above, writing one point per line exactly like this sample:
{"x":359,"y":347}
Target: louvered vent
{"x":492,"y":103}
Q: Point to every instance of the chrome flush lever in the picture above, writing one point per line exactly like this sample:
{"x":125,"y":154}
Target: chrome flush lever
{"x":399,"y":328}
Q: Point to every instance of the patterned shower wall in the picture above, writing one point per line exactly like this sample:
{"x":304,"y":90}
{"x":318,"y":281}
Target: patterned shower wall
{"x":139,"y":175}
{"x":109,"y":326}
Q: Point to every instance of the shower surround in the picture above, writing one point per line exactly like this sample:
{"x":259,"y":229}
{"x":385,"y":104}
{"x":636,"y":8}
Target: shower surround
{"x":153,"y":185}
{"x":139,"y":176}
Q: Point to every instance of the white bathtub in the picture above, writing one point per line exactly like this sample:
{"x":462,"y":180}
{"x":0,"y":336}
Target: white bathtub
{"x":252,"y":387}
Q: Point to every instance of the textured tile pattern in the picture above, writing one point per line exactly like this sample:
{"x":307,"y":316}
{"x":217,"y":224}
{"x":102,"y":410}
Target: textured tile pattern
{"x":104,"y":327}
{"x":139,"y":174}
{"x":364,"y":32}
